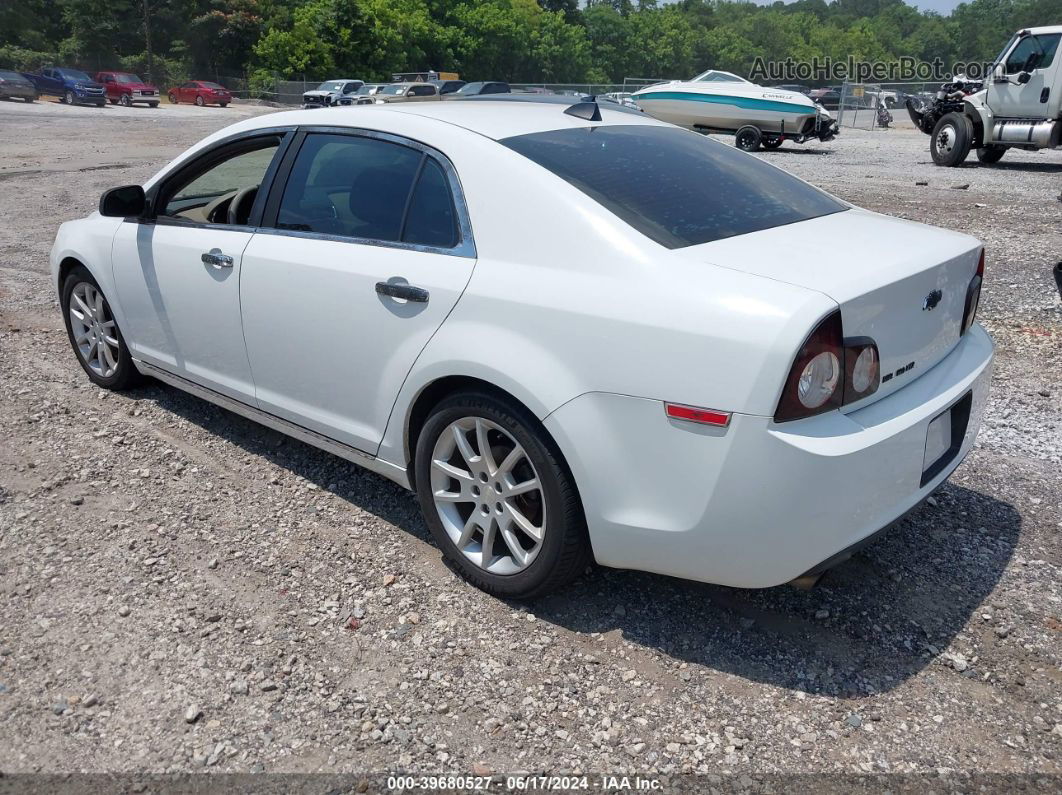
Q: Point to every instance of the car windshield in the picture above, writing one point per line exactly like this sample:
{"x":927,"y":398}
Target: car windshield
{"x":470,"y":88}
{"x":74,"y":74}
{"x":128,"y":79}
{"x":394,"y":90}
{"x":365,"y":90}
{"x":674,"y":186}
{"x":332,"y":85}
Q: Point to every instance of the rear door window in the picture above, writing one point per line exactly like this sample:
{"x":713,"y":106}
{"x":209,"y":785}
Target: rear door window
{"x":368,"y":188}
{"x":676,"y":187}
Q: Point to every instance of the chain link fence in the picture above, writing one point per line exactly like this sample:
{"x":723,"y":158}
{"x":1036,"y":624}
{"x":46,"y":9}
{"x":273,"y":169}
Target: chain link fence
{"x":856,"y":103}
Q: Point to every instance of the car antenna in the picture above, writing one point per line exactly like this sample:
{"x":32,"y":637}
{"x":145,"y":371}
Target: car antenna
{"x":586,"y":109}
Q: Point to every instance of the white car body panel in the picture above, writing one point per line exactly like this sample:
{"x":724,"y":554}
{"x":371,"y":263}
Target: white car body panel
{"x":179,"y":313}
{"x":302,"y":296}
{"x":592,"y":326}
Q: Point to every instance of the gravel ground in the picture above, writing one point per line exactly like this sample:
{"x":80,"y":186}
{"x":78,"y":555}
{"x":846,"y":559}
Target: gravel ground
{"x":181,"y":589}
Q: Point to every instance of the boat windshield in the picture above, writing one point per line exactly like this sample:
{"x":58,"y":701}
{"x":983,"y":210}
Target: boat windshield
{"x":713,"y":76}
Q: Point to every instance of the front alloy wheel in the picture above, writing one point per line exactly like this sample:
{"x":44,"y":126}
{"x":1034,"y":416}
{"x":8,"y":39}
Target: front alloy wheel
{"x":94,"y":331}
{"x":94,"y":334}
{"x":70,"y":98}
{"x":498,"y":496}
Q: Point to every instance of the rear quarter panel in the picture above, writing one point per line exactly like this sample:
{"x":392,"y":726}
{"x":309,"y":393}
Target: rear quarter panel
{"x":567,"y":299}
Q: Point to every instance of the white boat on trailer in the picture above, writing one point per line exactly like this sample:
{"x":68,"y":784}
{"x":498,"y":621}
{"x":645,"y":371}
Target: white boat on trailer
{"x":716,"y":101}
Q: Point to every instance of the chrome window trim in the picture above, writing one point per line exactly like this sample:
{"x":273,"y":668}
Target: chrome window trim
{"x":466,"y":245}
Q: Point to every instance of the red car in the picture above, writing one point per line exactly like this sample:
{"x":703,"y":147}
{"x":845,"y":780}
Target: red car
{"x":127,"y":88}
{"x":201,"y":93}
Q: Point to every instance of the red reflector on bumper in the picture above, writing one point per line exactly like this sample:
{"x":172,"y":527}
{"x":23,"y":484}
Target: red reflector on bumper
{"x":703,"y":416}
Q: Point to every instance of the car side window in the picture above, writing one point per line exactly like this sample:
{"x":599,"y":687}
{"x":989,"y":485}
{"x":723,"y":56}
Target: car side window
{"x":349,"y":185}
{"x":430,"y":220}
{"x":222,"y":190}
{"x":423,"y":91}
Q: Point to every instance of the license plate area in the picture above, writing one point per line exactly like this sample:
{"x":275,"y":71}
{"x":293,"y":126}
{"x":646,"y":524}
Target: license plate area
{"x":944,"y":437}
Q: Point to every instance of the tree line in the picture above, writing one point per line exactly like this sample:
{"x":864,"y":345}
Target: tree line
{"x":530,"y":41}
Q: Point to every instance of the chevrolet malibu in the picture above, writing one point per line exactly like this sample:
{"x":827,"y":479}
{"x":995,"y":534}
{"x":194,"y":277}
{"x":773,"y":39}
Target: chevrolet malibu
{"x":577,"y":334}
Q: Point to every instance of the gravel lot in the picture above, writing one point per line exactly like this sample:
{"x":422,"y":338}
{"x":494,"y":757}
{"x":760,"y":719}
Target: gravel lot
{"x":182,"y":589}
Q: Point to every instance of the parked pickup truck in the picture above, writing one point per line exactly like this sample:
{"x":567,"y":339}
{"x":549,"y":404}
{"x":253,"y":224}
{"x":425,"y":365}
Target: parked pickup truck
{"x":72,"y":86}
{"x":126,"y":88}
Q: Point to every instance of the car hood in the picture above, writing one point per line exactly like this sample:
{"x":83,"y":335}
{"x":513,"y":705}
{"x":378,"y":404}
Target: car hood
{"x":880,"y":270}
{"x":316,"y":93}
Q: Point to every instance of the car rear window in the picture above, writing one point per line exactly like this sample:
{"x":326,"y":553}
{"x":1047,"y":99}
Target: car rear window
{"x":677,"y":187}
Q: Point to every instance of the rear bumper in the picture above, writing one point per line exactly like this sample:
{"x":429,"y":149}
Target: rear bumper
{"x":758,"y":504}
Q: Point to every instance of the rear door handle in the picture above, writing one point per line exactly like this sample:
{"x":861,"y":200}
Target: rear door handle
{"x":217,"y":259}
{"x":407,"y":291}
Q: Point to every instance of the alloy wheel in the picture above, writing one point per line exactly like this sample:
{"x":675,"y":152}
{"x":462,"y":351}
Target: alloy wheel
{"x":94,"y":330}
{"x":488,"y":495}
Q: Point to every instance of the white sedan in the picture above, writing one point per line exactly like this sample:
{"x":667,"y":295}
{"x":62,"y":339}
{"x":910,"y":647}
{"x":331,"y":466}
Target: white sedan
{"x":576,"y":333}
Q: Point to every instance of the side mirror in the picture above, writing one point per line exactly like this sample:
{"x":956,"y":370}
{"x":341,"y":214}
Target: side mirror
{"x":124,"y":202}
{"x":1024,"y":78}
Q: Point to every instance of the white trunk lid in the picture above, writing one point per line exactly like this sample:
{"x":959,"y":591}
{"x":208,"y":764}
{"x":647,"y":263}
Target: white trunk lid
{"x":883,"y":272}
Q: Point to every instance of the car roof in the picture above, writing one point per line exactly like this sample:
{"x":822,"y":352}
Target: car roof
{"x":492,"y":119}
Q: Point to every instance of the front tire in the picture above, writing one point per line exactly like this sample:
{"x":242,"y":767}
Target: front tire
{"x":126,"y":101}
{"x":223,"y":104}
{"x":94,"y":334}
{"x":69,"y":98}
{"x":991,"y":154}
{"x":199,"y":101}
{"x":950,"y":143}
{"x":748,"y":138}
{"x":499,"y":498}
{"x":153,"y":104}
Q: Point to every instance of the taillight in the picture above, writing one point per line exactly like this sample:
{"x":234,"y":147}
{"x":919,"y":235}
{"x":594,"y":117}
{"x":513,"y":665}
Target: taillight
{"x":816,"y":380}
{"x":973,"y":296}
{"x":862,"y":369}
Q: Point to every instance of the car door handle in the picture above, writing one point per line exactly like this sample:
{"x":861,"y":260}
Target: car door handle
{"x":407,"y":291}
{"x":217,"y":259}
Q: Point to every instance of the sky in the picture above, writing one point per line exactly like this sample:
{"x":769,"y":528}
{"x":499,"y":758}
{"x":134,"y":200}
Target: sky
{"x":940,"y":6}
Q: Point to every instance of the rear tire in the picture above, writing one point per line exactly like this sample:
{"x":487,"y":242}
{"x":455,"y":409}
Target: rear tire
{"x":112,"y":101}
{"x":174,"y":100}
{"x":950,"y":143}
{"x":124,"y":374}
{"x":482,"y":504}
{"x":771,"y":143}
{"x":991,"y":154}
{"x":748,"y":138}
{"x":223,"y":104}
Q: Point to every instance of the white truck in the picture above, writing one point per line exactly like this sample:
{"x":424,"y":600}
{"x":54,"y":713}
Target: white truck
{"x":1019,"y":105}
